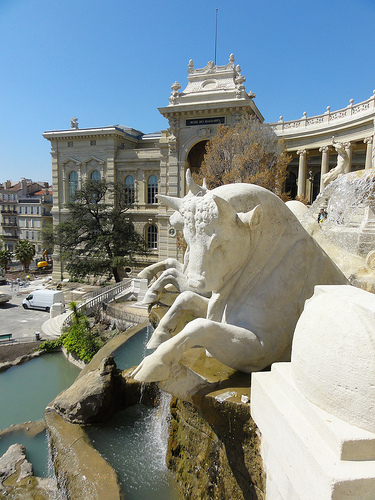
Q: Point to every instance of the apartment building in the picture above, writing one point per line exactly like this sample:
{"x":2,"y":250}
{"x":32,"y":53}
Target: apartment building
{"x":25,"y":208}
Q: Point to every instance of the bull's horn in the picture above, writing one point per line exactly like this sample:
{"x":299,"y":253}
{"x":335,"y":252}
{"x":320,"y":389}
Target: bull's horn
{"x":193,"y":186}
{"x":224,"y":207}
{"x":204,"y":184}
{"x":170,"y":201}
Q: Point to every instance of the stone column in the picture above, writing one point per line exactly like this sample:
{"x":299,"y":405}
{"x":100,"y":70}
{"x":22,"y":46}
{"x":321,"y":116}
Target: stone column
{"x":302,"y":167}
{"x":348,"y":149}
{"x":368,"y":141}
{"x":325,"y":164}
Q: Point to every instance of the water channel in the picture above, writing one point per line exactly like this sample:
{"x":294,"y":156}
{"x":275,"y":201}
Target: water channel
{"x":133,"y":442}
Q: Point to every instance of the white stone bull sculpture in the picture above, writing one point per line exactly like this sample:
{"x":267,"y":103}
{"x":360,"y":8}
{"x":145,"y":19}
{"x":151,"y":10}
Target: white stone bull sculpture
{"x":255,"y":263}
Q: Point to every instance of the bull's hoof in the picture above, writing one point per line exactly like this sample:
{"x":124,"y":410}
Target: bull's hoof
{"x":151,"y":369}
{"x":157,"y":339}
{"x":150,"y":298}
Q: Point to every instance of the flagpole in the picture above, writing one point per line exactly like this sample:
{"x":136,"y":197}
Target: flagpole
{"x":216,"y":36}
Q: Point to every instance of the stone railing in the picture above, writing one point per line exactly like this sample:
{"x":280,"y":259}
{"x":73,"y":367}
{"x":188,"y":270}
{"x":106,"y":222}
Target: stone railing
{"x":326,"y":118}
{"x":128,"y":317}
{"x":103,"y":295}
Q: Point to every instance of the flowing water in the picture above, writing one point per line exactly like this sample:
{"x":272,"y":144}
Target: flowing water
{"x":348,"y":232}
{"x":134,"y":350}
{"x":134,"y":442}
{"x":25,"y":391}
{"x":36,"y":450}
{"x":349,"y":201}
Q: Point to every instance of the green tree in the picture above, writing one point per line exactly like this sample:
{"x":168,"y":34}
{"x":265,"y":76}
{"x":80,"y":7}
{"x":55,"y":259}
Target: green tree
{"x":248,"y":152}
{"x":97,"y":238}
{"x":24,"y":251}
{"x":80,"y":338}
{"x":48,"y":238}
{"x":5,"y":258}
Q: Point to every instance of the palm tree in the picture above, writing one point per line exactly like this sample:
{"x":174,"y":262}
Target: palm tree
{"x":24,"y":251}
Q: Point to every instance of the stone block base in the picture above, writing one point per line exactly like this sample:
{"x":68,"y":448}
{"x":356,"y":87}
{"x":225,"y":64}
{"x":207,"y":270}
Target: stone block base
{"x":307,"y":452}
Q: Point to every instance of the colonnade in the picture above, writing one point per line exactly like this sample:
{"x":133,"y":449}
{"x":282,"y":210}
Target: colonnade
{"x":326,"y":151}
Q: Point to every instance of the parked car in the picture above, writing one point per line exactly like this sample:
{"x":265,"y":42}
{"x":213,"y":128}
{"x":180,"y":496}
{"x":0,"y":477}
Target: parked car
{"x":4,"y":297}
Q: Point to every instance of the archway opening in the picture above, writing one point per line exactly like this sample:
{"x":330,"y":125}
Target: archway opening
{"x":195,"y":156}
{"x":291,"y":185}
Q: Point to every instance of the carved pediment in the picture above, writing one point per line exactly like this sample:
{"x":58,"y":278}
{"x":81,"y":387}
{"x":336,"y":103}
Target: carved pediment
{"x":71,"y":163}
{"x":93,"y":161}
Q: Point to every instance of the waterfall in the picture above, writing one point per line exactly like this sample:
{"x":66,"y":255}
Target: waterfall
{"x":159,"y":429}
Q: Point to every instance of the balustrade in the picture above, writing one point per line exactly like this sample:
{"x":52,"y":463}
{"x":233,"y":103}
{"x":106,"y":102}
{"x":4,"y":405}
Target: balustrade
{"x":327,"y":117}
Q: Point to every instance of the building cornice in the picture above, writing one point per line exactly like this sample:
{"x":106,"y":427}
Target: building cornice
{"x":87,"y":133}
{"x":209,"y":108}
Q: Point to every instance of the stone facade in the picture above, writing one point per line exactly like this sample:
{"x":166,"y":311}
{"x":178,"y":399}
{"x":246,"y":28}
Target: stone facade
{"x":158,"y":162}
{"x":25,"y":209}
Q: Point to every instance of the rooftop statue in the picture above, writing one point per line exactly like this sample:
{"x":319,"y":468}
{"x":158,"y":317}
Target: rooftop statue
{"x":249,"y":267}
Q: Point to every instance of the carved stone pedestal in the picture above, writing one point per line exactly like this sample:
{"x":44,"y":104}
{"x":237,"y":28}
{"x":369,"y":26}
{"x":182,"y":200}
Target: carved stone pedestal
{"x":308,"y":453}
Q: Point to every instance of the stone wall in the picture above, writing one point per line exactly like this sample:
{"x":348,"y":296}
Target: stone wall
{"x":213,"y":450}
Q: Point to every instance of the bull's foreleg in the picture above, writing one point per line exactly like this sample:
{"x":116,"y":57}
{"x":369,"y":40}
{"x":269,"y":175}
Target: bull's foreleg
{"x":233,"y":346}
{"x":186,"y":302}
{"x":169,"y":277}
{"x":150,"y":271}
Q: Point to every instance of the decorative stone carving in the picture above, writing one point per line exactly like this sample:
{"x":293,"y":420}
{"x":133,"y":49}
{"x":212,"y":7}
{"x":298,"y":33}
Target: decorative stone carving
{"x":248,"y":252}
{"x":175,"y":87}
{"x":205,"y":132}
{"x":191,"y":66}
{"x":342,"y":162}
{"x":173,"y":125}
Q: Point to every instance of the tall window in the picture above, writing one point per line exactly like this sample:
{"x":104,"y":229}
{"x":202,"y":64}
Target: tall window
{"x":152,"y":237}
{"x":95,"y":175}
{"x":152,"y":189}
{"x":73,"y":185}
{"x":129,"y":189}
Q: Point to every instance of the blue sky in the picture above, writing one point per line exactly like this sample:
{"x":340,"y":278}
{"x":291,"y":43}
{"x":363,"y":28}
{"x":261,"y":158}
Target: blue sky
{"x":113,"y":61}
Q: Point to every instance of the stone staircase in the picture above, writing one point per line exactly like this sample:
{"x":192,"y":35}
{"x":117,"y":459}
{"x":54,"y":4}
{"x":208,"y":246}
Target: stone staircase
{"x":52,"y":327}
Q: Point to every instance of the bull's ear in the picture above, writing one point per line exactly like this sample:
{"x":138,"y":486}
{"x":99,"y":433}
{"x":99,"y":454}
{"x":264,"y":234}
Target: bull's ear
{"x":176,"y":220}
{"x":252,"y":218}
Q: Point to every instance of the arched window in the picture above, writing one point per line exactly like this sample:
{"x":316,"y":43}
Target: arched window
{"x":95,"y":175}
{"x":73,"y":185}
{"x":152,"y":189}
{"x":152,"y":237}
{"x":129,"y":190}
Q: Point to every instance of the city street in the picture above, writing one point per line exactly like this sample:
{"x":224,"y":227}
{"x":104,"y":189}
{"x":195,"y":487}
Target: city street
{"x":21,"y":323}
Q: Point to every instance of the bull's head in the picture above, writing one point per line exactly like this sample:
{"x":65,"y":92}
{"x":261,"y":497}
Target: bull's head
{"x":219,"y":240}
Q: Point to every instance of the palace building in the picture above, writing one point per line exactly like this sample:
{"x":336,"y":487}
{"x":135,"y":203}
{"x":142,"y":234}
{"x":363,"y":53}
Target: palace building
{"x":156,"y":163}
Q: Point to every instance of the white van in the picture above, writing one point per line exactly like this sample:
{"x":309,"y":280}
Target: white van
{"x":43,"y":299}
